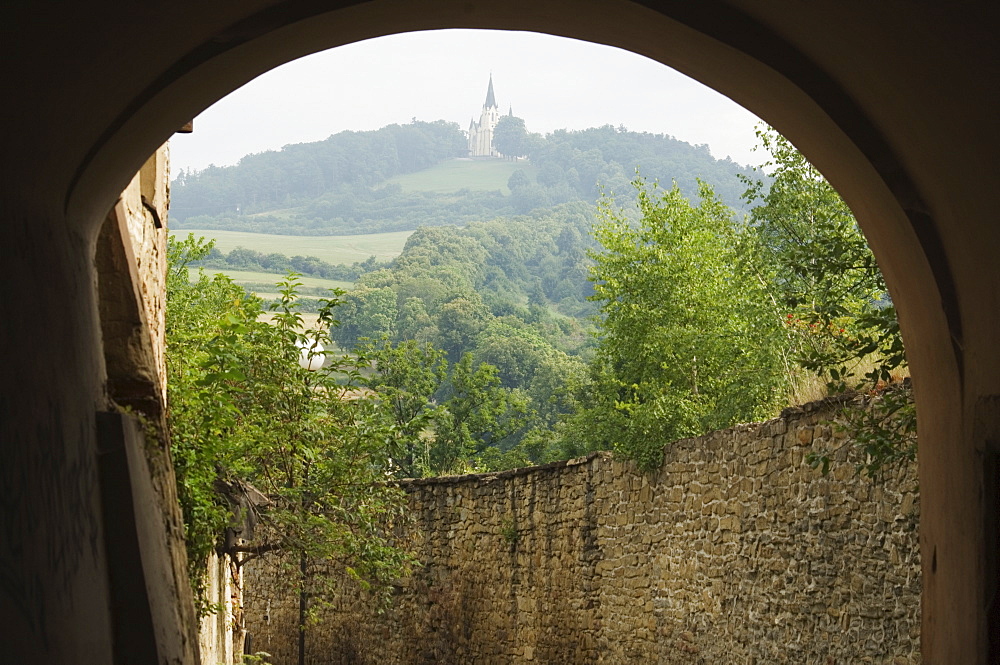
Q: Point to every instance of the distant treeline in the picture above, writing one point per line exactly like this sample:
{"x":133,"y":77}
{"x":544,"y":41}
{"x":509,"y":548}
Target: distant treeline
{"x":248,"y":259}
{"x":338,"y":186}
{"x":301,"y":172}
{"x":604,"y":160}
{"x":360,"y":210}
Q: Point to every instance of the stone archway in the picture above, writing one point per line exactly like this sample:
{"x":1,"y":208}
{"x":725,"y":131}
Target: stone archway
{"x":885,"y":98}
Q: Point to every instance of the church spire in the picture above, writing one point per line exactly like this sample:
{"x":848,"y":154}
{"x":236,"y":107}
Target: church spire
{"x":490,"y":99}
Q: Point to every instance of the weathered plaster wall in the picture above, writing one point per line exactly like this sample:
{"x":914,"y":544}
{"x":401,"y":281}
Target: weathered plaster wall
{"x":220,"y":632}
{"x":145,"y":203}
{"x":130,"y":263}
{"x":736,"y":551}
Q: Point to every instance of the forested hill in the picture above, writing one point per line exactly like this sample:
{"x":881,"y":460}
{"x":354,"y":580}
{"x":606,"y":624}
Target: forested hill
{"x":357,"y":182}
{"x":303,"y":171}
{"x":606,"y":158}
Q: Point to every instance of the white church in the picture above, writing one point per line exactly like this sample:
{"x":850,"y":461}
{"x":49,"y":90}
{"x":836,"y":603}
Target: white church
{"x":481,"y":133}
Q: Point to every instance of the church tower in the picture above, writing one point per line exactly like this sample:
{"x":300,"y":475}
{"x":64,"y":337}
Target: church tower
{"x":481,"y":133}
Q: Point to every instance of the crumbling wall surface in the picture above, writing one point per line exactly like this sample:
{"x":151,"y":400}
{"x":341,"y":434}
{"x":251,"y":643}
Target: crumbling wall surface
{"x":220,"y":630}
{"x":130,"y":265}
{"x":735,"y":551}
{"x":144,"y":205}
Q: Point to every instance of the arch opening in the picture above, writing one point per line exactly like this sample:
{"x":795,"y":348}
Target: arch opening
{"x":889,"y":115}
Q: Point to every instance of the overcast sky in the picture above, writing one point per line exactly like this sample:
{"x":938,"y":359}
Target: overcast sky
{"x":551,"y":82}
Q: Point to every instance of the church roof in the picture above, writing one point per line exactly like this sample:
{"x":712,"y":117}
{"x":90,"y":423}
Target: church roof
{"x":490,"y":99}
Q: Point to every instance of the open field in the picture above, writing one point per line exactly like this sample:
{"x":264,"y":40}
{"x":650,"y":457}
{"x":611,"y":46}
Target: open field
{"x":309,"y":322}
{"x":249,"y":278}
{"x":456,"y":174}
{"x":332,"y":249}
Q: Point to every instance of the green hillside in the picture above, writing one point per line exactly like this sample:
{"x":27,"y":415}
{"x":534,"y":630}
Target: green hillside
{"x":402,"y":177}
{"x":332,"y":249}
{"x":463,"y":173}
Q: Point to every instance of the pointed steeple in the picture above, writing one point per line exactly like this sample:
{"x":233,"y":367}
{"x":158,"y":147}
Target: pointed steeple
{"x":490,"y":99}
{"x":510,"y":111}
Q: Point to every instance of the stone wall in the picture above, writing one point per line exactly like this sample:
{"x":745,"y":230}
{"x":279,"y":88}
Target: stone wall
{"x":736,"y":551}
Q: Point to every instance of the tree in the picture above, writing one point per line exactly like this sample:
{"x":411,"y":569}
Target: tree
{"x":406,"y":378}
{"x":515,"y":351}
{"x":823,"y":273}
{"x":414,"y":322}
{"x":445,"y":421}
{"x":518,"y":180}
{"x":459,"y":322}
{"x":509,"y":136}
{"x":685,"y":345}
{"x":830,"y":293}
{"x":479,"y":414}
{"x":368,"y":313}
{"x":244,"y":413}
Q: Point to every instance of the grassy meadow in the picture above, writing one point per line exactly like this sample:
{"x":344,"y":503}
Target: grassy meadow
{"x":456,"y":174}
{"x":309,"y":322}
{"x":332,"y":249}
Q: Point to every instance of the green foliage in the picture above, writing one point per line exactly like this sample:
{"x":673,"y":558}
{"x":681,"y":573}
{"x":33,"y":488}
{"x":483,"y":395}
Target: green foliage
{"x":822,"y":272}
{"x":882,"y":433}
{"x":333,"y":250}
{"x":198,"y":417}
{"x":479,"y":414}
{"x":534,"y":348}
{"x":518,"y":180}
{"x":841,"y":323}
{"x":406,"y":379}
{"x":885,"y":436}
{"x":510,"y":136}
{"x":459,"y":323}
{"x":509,"y":531}
{"x":587,"y":163}
{"x":686,"y":345}
{"x":368,"y":314}
{"x":242,"y":411}
{"x":245,"y":260}
{"x":444,"y":420}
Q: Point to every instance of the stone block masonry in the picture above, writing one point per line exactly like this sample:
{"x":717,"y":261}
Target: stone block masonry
{"x":734,"y":552}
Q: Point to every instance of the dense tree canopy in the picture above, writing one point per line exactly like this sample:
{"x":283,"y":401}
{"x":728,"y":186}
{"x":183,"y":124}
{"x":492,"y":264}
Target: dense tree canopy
{"x":687,"y":343}
{"x":244,"y":413}
{"x":510,"y":136}
{"x":348,"y":161}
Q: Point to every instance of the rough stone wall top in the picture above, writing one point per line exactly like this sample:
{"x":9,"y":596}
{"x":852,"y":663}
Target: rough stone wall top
{"x":735,"y":551}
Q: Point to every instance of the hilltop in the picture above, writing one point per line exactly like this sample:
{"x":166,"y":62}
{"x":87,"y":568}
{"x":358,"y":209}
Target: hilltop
{"x":401,"y":177}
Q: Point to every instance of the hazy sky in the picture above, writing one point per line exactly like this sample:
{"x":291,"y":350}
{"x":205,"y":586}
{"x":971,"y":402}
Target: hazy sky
{"x":551,"y":82}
